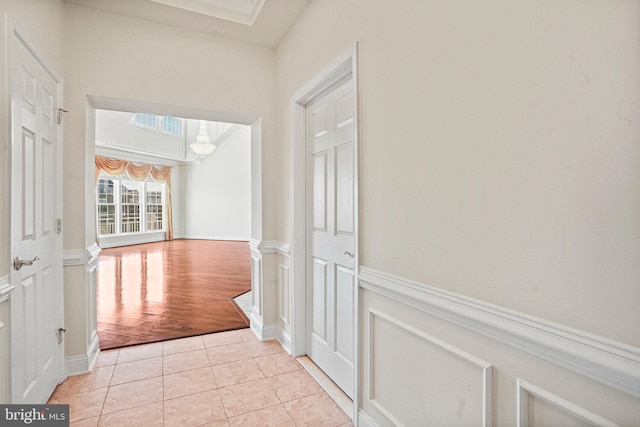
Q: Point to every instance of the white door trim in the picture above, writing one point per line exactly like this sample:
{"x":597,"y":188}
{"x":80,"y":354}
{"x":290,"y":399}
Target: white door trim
{"x":343,"y":67}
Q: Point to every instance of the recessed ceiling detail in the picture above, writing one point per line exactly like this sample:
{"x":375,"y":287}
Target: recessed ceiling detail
{"x":241,"y":11}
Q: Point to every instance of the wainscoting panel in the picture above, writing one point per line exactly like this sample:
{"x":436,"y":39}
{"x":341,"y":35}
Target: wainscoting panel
{"x":429,"y":382}
{"x":283,"y":294}
{"x":271,"y":290}
{"x":256,"y":278}
{"x":432,"y":357}
{"x":92,"y":308}
{"x":539,"y":407}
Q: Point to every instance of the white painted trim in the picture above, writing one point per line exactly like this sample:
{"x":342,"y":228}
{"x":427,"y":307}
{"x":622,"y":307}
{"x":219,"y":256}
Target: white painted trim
{"x":81,"y":256}
{"x":343,"y":67}
{"x":270,"y":332}
{"x":270,"y":247}
{"x":526,"y":388}
{"x":275,"y":246}
{"x":285,"y":339}
{"x":5,"y":287}
{"x":131,"y":239}
{"x":254,"y":245}
{"x":79,"y":365}
{"x":485,"y":367}
{"x":606,"y":361}
{"x":207,"y":237}
{"x":255,"y":323}
{"x":284,"y":290}
{"x":365,"y":420}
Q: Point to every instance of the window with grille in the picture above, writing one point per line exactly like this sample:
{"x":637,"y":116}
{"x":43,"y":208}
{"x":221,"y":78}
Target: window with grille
{"x":172,"y":125}
{"x":130,"y":206}
{"x":155,"y":205}
{"x":126,"y":207}
{"x":167,"y":124}
{"x":106,"y":207}
{"x":148,"y":120}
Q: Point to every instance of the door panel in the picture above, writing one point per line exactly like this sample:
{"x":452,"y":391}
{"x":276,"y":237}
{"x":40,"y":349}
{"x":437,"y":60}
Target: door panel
{"x":36,"y":302}
{"x":344,"y":189}
{"x":330,"y":306}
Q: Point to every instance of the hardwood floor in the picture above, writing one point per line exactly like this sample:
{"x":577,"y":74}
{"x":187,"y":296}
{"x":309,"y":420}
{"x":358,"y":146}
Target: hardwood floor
{"x":166,"y":290}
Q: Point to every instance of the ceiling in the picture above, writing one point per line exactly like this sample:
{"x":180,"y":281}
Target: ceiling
{"x":261,"y":22}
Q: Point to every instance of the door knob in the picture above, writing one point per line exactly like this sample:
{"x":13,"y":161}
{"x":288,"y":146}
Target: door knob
{"x":348,"y":253}
{"x":18,"y":263}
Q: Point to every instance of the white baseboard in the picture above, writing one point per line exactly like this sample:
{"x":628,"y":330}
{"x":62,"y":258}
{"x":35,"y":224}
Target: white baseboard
{"x":285,"y":339}
{"x":207,"y":237}
{"x":365,"y":420}
{"x":82,"y":364}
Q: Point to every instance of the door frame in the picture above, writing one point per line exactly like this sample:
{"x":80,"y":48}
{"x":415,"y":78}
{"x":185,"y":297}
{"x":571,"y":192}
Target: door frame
{"x":344,"y":66}
{"x":17,"y":34}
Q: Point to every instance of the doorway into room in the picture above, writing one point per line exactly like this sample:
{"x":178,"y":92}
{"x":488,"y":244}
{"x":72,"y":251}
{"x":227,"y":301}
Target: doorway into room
{"x":152,"y":286}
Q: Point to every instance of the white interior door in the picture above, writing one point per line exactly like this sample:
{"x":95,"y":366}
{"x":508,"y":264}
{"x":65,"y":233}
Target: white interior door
{"x":36,"y":302}
{"x":330,"y":140}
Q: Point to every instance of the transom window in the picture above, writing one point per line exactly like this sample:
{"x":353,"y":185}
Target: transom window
{"x":127,"y":207}
{"x":166,"y":124}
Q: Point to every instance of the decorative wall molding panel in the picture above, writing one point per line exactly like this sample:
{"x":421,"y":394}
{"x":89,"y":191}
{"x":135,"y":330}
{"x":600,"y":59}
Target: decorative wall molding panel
{"x":427,"y":370}
{"x":284,"y":283}
{"x":271,"y":319}
{"x":527,"y":390}
{"x":79,"y":365}
{"x":5,"y":287}
{"x":92,"y":311}
{"x":256,"y":282}
{"x":81,"y":256}
{"x":609,"y":362}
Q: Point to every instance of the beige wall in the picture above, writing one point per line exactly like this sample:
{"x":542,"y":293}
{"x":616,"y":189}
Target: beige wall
{"x":499,"y":148}
{"x":499,"y":165}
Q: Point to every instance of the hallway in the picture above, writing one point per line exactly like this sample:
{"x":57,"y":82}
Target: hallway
{"x":223,"y":379}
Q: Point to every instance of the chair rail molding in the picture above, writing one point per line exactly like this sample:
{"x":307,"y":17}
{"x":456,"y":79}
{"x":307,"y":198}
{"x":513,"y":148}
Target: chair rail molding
{"x":81,"y":256}
{"x":270,"y":247}
{"x":607,"y":361}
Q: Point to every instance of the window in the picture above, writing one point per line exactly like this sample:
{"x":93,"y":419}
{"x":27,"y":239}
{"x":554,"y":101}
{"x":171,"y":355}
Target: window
{"x":172,"y":125}
{"x":126,"y":207}
{"x":106,"y":207}
{"x":166,"y":124}
{"x":155,"y":206}
{"x":130,"y":206}
{"x":148,"y":120}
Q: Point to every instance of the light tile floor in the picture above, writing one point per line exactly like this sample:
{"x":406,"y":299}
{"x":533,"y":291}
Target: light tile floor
{"x":224,"y":379}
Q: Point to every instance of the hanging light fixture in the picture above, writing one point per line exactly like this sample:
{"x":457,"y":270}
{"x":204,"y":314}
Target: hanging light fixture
{"x":203,"y":145}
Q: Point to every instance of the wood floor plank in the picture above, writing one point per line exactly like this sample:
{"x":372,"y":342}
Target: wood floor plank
{"x":173,"y":289}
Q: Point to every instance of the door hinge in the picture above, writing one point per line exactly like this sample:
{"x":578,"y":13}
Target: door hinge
{"x":60,"y":111}
{"x":60,"y":334}
{"x":59,"y":226}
